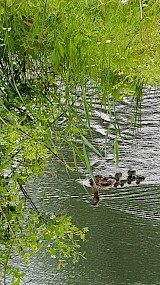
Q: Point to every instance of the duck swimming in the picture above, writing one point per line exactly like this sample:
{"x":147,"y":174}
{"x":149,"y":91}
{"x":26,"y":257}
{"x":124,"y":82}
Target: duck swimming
{"x":118,"y":175}
{"x":131,"y":176}
{"x":122,"y":182}
{"x":100,"y":183}
{"x":139,"y":178}
{"x":131,"y":172}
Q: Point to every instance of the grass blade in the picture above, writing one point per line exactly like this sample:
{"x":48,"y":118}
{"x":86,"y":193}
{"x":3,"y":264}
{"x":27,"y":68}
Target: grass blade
{"x":86,"y":142}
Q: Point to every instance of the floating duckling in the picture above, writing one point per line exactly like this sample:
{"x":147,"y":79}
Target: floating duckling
{"x":117,"y":176}
{"x":116,"y":184}
{"x":139,"y":178}
{"x":122,"y":182}
{"x":131,"y":176}
{"x":131,"y":172}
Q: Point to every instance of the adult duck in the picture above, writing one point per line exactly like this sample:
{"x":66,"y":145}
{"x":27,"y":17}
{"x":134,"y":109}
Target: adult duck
{"x":102,"y":183}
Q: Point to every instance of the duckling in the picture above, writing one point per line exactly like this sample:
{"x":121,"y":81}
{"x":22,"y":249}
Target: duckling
{"x":131,"y":172}
{"x":118,"y":175}
{"x":139,"y":178}
{"x":91,"y":181}
{"x":131,"y":176}
{"x":122,"y":182}
{"x":129,"y":179}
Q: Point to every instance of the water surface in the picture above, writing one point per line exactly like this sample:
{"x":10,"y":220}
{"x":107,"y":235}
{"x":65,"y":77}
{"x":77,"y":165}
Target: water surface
{"x":123,"y":244}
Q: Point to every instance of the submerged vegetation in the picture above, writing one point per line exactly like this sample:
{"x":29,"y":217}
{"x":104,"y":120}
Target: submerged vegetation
{"x":50,"y":52}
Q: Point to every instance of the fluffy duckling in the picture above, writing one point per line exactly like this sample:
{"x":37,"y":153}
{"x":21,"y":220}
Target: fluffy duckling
{"x":131,"y":176}
{"x":139,"y":178}
{"x":118,"y":175}
{"x":130,"y":179}
{"x":131,"y":172}
{"x":122,"y":182}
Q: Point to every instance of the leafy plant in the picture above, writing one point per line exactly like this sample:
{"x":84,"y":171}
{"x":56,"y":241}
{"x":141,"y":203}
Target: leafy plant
{"x":51,"y":51}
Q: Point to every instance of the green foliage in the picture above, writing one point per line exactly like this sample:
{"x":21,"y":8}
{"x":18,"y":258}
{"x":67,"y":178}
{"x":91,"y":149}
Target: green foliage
{"x":50,"y":52}
{"x":116,"y":151}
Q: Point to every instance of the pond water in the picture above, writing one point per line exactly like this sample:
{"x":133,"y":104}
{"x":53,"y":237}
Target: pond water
{"x":123,"y":243}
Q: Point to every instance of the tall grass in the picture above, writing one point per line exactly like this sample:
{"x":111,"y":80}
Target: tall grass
{"x":112,"y":44}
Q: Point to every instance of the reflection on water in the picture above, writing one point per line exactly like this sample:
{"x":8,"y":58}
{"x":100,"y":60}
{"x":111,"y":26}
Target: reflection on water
{"x":123,"y":244}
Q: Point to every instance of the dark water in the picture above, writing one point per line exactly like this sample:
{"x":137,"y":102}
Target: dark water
{"x":123,"y":244}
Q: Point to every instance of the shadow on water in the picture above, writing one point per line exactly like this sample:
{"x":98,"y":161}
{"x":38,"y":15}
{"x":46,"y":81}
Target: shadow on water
{"x":123,"y":244}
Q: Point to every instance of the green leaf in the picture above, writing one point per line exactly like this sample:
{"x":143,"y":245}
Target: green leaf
{"x":82,"y":236}
{"x":116,"y":151}
{"x":52,"y":251}
{"x":48,"y":236}
{"x":90,"y":146}
{"x":17,"y":282}
{"x":86,"y":109}
{"x":21,"y":181}
{"x":76,"y":149}
{"x":87,"y":162}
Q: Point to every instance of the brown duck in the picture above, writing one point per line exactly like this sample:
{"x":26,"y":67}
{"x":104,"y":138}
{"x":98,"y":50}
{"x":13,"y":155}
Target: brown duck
{"x":100,"y":183}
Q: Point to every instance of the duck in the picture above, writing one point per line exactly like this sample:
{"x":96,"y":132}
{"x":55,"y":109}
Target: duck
{"x":118,"y":175}
{"x":102,"y":183}
{"x":131,"y":172}
{"x":131,"y":176}
{"x":139,"y":178}
{"x":122,"y":182}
